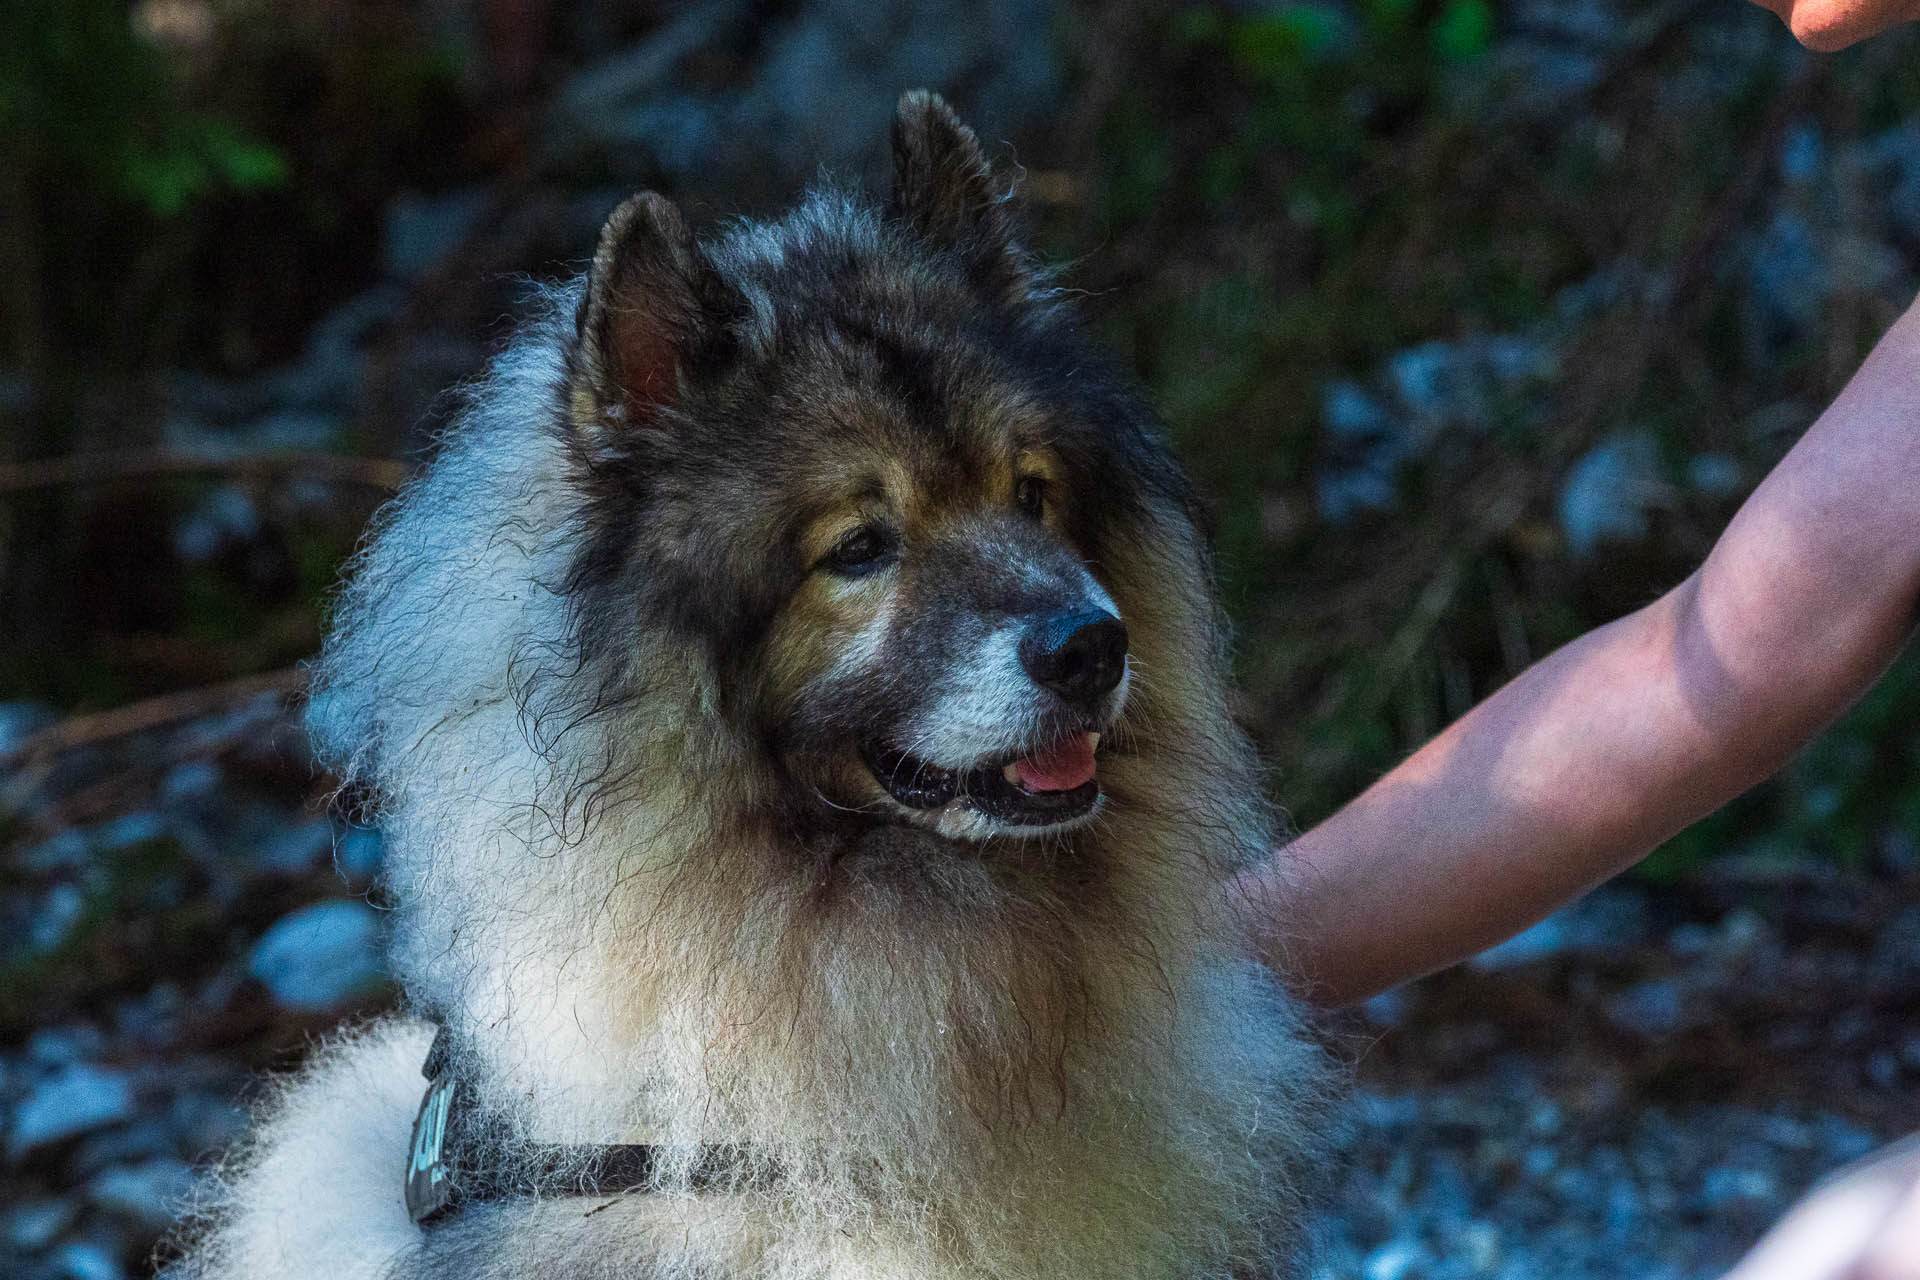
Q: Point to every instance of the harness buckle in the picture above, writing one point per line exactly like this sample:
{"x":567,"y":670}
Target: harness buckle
{"x":430,"y":1187}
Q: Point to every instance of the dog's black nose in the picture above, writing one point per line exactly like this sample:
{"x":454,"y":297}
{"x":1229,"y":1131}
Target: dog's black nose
{"x":1077,"y":655}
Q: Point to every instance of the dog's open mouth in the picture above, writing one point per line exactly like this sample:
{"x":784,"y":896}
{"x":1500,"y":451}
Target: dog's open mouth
{"x":1055,"y":783}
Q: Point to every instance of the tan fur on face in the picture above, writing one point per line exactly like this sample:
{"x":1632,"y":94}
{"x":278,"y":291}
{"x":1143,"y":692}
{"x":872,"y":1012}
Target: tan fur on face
{"x":1013,"y":1059}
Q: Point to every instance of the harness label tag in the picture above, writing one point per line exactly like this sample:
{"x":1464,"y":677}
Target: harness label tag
{"x":429,"y":1179}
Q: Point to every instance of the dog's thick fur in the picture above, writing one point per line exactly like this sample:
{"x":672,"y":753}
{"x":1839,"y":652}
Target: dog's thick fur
{"x":605,"y":703}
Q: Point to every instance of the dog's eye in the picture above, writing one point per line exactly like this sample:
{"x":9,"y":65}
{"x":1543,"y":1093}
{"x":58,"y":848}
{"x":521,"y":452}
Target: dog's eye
{"x":1030,"y":495}
{"x":859,"y":552}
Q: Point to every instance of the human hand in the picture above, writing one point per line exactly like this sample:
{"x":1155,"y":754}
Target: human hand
{"x":1863,"y":1224}
{"x":1827,"y":25}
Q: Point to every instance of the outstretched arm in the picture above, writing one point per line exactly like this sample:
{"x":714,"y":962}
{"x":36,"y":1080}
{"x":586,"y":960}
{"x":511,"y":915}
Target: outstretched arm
{"x":1594,"y":755}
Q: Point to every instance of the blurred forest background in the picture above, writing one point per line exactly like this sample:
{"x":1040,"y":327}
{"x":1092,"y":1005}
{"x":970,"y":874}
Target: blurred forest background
{"x":1474,"y":320}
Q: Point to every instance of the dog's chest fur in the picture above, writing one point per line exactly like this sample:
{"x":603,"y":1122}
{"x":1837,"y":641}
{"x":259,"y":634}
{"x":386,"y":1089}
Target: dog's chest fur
{"x":606,"y":699}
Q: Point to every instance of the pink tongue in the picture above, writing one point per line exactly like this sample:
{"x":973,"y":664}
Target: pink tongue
{"x":1062,"y":767}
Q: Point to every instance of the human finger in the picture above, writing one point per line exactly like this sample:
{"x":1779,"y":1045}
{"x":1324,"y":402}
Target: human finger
{"x":1860,"y":1218}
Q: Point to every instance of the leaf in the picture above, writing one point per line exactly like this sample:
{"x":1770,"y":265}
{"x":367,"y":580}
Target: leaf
{"x":1463,"y":30}
{"x":249,"y":166}
{"x":164,"y":179}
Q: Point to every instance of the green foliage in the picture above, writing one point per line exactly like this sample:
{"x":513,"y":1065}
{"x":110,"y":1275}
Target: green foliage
{"x":101,"y":105}
{"x":1463,"y":30}
{"x":1293,"y":195}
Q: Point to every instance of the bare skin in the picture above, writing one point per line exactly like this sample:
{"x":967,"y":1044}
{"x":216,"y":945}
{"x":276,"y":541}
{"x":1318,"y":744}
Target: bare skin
{"x":1590,"y":758}
{"x":1596,"y":754}
{"x":1861,"y":1225}
{"x":1593,"y":756}
{"x":1830,"y":25}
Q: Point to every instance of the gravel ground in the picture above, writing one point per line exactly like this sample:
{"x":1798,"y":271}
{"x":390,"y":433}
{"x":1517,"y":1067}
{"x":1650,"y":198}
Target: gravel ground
{"x":1633,"y":1089}
{"x":1638,"y":1087}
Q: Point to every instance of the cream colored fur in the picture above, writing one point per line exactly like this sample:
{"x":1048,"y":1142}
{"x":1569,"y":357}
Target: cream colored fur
{"x":963,"y":1071}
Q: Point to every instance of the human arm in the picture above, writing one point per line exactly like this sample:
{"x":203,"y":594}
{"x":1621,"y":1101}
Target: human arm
{"x":1599,"y":752}
{"x":1862,"y":1224}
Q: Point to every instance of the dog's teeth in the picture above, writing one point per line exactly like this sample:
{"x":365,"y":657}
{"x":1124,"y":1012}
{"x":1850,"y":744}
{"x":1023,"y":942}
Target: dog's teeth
{"x":1094,"y":743}
{"x":1011,"y":773}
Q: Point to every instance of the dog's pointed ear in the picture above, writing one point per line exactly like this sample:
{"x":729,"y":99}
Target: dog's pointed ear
{"x":944,"y":189}
{"x":655,"y":310}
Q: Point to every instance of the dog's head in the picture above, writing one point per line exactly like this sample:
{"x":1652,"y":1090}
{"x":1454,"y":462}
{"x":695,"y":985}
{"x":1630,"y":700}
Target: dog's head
{"x":863,"y":460}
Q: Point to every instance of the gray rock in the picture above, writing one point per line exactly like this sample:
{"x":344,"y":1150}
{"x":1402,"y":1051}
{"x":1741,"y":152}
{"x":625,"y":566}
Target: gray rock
{"x":21,"y":720}
{"x":1742,"y":932}
{"x":65,"y":1046}
{"x":616,"y":101}
{"x":153,"y":1018}
{"x":1898,"y":852}
{"x":1860,"y":264}
{"x":190,"y":784}
{"x":146,"y":1137}
{"x":32,"y":1225}
{"x":297,"y":430}
{"x":1842,"y":1141}
{"x":422,"y":230}
{"x":1394,"y":1260}
{"x":86,"y":1260}
{"x":1434,"y":388}
{"x":224,"y":516}
{"x":204,"y":1122}
{"x":213,"y":415}
{"x":148,"y":1195}
{"x":55,"y":916}
{"x":76,"y":1099}
{"x":17,"y":393}
{"x":1890,"y":162}
{"x":1786,"y":277}
{"x":237,"y":834}
{"x":196,"y":401}
{"x":1655,"y":1008}
{"x":330,"y":375}
{"x":1607,"y":919}
{"x":66,"y":851}
{"x":295,"y":848}
{"x":1728,"y":1185}
{"x":126,"y":832}
{"x":1611,"y":286}
{"x":1463,"y":383}
{"x":250,"y":721}
{"x":1803,"y":153}
{"x":1388,"y":1009}
{"x":1365,"y":449}
{"x":1343,"y":493}
{"x":1351,"y":412}
{"x":821,"y":95}
{"x":1715,"y":474}
{"x":288,"y":423}
{"x":358,"y":852}
{"x":321,"y":956}
{"x":1609,"y":493}
{"x":1897,"y":948}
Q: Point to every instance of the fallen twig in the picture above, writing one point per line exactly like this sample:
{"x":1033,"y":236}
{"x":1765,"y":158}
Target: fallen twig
{"x":98,"y":468}
{"x":149,"y":713}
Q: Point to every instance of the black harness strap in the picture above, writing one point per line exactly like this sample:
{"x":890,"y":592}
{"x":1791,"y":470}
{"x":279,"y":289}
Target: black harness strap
{"x":439,"y":1180}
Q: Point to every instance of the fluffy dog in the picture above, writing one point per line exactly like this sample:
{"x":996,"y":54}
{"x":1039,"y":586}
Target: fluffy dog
{"x":796,"y":706}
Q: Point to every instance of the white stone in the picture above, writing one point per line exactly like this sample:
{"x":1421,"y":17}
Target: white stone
{"x":321,"y":955}
{"x":76,"y":1100}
